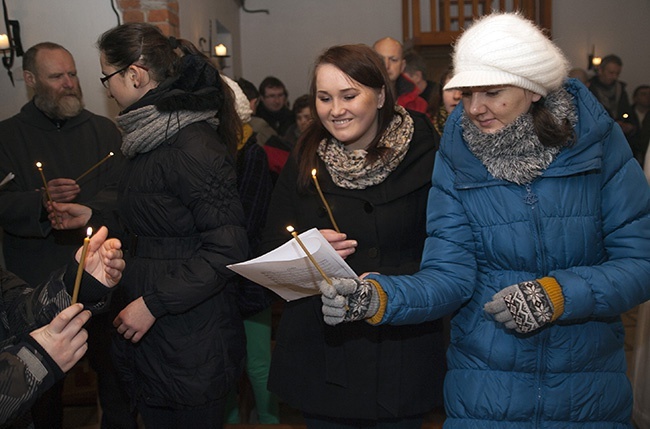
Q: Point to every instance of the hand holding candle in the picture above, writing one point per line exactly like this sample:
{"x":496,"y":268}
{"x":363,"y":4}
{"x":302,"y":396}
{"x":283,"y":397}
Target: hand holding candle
{"x":82,"y":263}
{"x":309,"y":255}
{"x":322,"y":197}
{"x":110,"y":154}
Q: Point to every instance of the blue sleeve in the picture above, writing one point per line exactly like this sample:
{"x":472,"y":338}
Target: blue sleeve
{"x":622,"y":281}
{"x":447,"y":275}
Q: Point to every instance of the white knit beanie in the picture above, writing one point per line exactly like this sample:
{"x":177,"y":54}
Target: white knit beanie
{"x":242,"y":105}
{"x":507,"y":49}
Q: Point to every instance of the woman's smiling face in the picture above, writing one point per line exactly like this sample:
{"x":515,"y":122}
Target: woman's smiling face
{"x":346,"y":108}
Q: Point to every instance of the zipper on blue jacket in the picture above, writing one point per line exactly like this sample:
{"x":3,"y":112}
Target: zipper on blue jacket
{"x":541,"y":359}
{"x":531,"y":200}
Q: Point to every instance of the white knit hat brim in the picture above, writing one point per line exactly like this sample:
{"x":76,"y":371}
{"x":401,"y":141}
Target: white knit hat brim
{"x":479,"y":78}
{"x":507,"y":49}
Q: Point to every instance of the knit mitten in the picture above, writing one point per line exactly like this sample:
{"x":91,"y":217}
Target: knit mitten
{"x":347,"y":300}
{"x":527,"y":306}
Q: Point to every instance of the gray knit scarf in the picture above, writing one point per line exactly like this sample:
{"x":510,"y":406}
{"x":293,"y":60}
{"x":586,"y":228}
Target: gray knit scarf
{"x":145,"y":129}
{"x":349,"y":170}
{"x":515,"y":153}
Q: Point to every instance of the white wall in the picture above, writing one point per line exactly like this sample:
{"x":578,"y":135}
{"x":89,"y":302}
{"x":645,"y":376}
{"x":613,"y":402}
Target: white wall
{"x":75,"y":24}
{"x":286,"y":42}
{"x":614,"y":27}
{"x":195,"y":16}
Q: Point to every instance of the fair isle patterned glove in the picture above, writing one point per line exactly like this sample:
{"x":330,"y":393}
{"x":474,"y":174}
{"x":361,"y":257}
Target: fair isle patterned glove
{"x":527,"y":306}
{"x":348,"y":300}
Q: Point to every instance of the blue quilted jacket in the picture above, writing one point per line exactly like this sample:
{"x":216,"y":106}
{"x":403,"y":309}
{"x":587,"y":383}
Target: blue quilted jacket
{"x":585,"y":222}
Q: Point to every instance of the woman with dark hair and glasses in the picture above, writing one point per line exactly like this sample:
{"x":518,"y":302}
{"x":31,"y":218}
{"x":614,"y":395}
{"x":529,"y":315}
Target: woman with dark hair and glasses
{"x":181,"y":343}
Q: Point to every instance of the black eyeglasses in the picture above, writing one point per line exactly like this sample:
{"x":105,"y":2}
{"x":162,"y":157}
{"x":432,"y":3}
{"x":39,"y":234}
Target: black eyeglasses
{"x":104,"y":79}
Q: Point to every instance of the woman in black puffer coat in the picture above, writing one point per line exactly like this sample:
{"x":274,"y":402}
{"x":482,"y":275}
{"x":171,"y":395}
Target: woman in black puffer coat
{"x":181,"y":342}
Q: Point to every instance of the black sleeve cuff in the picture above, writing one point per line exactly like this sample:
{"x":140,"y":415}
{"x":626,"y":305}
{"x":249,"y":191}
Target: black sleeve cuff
{"x":52,"y":366}
{"x":91,"y":290}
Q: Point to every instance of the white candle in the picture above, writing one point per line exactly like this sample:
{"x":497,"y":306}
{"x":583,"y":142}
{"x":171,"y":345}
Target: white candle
{"x":220,"y":50}
{"x":4,"y":42}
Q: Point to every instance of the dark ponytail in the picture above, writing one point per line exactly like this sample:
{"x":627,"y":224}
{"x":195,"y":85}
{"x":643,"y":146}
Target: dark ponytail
{"x":146,"y":45}
{"x":549,"y":131}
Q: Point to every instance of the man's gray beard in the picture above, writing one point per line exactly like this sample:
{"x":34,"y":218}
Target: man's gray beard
{"x":65,"y":107}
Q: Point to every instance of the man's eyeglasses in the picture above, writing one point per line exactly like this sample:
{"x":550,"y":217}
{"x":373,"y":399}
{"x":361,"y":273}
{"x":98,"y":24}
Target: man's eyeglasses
{"x":104,"y":79}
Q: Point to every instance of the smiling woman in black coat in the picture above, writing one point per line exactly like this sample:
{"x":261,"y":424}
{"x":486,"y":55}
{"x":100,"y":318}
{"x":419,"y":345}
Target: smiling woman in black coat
{"x":374,"y":162}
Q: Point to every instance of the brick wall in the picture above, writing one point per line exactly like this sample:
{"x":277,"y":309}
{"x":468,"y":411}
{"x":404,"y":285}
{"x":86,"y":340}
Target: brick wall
{"x":162,"y":13}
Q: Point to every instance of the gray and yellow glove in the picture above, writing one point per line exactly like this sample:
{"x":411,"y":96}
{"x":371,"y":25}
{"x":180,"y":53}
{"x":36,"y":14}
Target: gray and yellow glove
{"x":527,"y":306}
{"x":347,"y":300}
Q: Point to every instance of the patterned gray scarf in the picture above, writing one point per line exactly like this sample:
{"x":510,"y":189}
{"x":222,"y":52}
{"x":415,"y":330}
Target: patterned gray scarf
{"x":515,"y":153}
{"x":349,"y":169}
{"x":144,"y":129}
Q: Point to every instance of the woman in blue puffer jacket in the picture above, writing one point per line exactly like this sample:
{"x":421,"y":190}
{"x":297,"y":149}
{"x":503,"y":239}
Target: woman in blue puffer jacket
{"x":538,"y":239}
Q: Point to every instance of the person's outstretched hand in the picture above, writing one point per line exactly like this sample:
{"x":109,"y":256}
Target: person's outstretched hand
{"x":68,"y":215}
{"x":64,"y":338}
{"x":348,"y":300}
{"x":104,"y":259}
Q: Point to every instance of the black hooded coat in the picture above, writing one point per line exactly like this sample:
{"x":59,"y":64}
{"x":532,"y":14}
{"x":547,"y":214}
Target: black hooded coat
{"x":180,"y":206}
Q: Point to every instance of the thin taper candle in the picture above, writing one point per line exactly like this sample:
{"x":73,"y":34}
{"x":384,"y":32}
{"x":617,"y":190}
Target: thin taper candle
{"x":322,"y":197}
{"x":94,"y":166}
{"x":311,"y":258}
{"x":39,"y":165}
{"x":82,"y":264}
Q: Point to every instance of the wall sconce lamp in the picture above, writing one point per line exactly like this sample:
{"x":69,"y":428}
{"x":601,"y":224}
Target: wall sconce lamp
{"x":10,"y":44}
{"x":594,"y":61}
{"x":215,"y":51}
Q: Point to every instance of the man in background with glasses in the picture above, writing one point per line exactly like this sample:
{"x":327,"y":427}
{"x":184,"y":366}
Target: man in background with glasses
{"x":274,"y":107}
{"x":53,"y":128}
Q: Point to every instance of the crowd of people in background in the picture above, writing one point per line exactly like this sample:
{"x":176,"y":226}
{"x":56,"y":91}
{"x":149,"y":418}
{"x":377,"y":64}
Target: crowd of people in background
{"x":497,"y":215}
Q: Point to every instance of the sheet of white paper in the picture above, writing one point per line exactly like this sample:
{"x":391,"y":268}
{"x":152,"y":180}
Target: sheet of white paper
{"x":7,"y":178}
{"x":288,"y":272}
